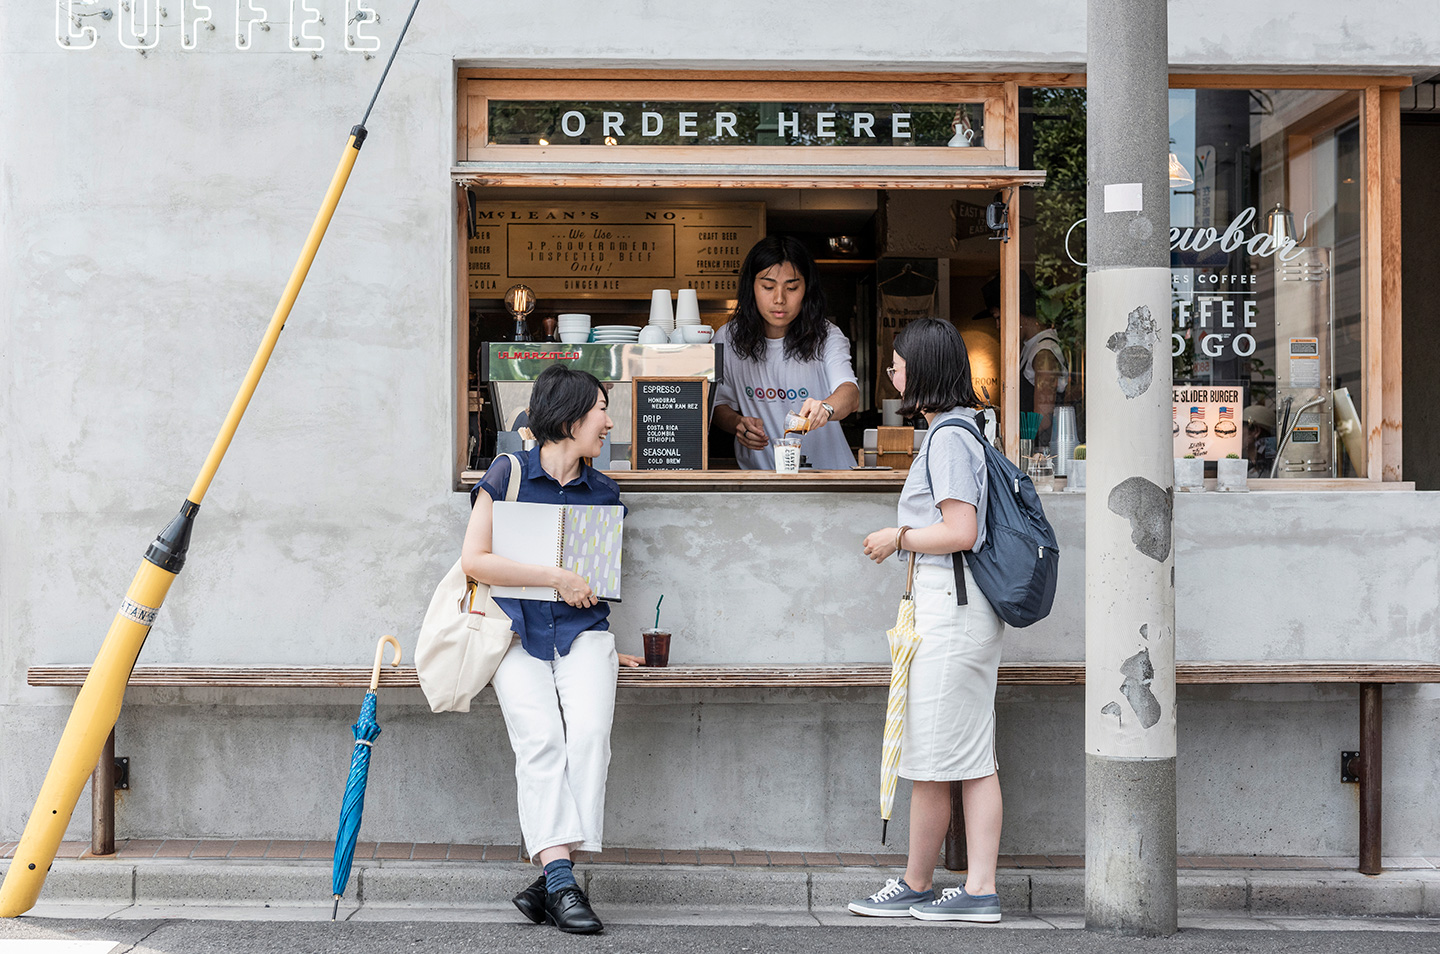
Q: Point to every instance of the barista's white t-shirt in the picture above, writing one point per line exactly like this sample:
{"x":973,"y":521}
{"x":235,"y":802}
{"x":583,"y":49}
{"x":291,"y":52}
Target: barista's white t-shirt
{"x":770,"y":387}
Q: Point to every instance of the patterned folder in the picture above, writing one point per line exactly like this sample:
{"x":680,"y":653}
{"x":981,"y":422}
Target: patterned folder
{"x":585,"y":539}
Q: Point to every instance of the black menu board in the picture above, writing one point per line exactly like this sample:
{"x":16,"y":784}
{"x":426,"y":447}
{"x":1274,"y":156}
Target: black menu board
{"x":672,"y":423}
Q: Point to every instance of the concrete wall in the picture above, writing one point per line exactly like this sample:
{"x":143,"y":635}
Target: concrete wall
{"x":780,"y":578}
{"x":151,"y":208}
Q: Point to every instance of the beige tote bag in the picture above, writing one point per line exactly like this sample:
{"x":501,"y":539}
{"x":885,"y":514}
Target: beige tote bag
{"x":464,"y":636}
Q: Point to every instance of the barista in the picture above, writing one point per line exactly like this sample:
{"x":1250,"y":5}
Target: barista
{"x":1044,"y":375}
{"x":782,"y":355}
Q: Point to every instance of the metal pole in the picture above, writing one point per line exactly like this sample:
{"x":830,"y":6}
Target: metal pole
{"x":1130,"y":841}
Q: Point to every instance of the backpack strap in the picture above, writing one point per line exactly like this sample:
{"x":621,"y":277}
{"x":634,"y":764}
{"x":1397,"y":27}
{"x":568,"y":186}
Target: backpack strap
{"x":957,"y":559}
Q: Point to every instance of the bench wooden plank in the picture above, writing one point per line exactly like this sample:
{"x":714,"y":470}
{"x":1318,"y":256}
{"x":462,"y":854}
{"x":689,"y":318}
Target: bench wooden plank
{"x":1258,"y":672}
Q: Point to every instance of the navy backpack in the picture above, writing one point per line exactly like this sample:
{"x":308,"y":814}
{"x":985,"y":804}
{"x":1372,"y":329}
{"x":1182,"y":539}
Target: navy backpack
{"x":1017,"y":565}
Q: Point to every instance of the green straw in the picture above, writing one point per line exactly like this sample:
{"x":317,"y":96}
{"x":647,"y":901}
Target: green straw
{"x":657,"y":611}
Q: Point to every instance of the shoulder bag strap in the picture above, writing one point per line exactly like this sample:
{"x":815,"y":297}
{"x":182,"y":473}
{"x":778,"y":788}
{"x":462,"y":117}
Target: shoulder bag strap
{"x":512,"y":490}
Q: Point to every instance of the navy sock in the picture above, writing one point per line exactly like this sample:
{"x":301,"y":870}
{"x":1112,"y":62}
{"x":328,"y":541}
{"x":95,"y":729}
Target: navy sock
{"x":559,"y":874}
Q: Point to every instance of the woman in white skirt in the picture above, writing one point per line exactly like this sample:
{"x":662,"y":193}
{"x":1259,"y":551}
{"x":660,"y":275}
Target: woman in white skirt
{"x":949,"y":732}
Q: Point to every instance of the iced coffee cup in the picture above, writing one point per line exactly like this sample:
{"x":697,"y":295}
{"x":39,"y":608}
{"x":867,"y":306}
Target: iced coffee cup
{"x":787,"y":455}
{"x":657,"y":647}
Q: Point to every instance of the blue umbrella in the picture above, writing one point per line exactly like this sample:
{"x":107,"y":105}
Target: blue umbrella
{"x":352,"y":807}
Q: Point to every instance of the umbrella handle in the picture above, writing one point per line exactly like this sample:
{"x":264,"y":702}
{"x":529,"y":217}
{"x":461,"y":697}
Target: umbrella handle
{"x":909,"y":580}
{"x":380,"y":657}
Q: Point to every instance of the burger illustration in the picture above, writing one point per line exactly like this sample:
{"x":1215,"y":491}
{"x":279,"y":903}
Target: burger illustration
{"x":1197,"y":426}
{"x":1225,"y":429}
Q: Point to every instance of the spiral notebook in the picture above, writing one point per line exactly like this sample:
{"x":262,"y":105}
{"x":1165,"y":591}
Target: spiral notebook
{"x":583,"y":538}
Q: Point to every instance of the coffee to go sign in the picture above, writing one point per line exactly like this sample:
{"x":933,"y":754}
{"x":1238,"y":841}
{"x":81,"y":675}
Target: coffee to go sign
{"x":548,"y":123}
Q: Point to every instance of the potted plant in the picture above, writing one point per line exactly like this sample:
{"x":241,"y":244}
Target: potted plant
{"x":1189,"y":474}
{"x":1075,"y":473}
{"x":1232,"y":474}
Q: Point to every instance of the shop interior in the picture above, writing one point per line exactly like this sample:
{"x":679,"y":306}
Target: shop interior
{"x":929,"y":250}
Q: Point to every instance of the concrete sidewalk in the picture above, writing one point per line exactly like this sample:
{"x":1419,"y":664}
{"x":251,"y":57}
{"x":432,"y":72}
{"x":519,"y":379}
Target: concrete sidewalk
{"x":731,"y":894}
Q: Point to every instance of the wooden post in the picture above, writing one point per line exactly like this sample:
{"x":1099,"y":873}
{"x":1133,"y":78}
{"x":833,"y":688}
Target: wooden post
{"x":102,"y":801}
{"x":956,"y":848}
{"x":1371,"y":751}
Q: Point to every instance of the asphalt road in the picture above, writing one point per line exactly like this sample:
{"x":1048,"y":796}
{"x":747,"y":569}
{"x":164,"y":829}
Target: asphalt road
{"x":258,"y":937}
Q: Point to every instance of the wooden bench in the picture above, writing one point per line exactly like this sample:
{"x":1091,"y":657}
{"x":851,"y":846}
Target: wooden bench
{"x":1370,"y":676}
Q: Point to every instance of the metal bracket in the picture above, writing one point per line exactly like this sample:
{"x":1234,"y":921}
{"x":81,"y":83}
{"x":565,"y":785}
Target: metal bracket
{"x":1349,"y":766}
{"x":122,"y":774}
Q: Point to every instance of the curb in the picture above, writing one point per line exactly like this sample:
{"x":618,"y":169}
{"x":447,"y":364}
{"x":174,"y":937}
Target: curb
{"x":464,"y":885}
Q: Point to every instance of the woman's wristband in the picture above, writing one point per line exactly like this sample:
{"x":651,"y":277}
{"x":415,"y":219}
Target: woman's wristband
{"x":899,"y":536}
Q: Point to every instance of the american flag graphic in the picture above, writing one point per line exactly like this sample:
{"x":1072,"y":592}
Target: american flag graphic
{"x":1197,"y":414}
{"x":1227,"y":413}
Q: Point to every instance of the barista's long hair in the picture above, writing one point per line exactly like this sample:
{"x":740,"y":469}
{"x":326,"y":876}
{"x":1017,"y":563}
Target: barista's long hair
{"x":805,"y":338}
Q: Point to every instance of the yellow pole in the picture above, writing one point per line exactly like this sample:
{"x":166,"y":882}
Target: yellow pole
{"x":98,"y":704}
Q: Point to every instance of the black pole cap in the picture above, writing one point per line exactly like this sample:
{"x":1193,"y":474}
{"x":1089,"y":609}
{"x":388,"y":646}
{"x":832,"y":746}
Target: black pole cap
{"x":359,"y":132}
{"x":168,"y":550}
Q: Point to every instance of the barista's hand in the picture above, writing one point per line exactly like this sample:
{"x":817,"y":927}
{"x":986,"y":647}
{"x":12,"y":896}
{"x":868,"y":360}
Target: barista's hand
{"x":632,"y":661}
{"x":814,"y":410}
{"x":574,"y":590}
{"x":880,"y":544}
{"x":751,"y":433}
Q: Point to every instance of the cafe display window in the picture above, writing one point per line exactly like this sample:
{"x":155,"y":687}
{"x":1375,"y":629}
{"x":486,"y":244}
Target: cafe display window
{"x":968,"y":201}
{"x":1271,"y":268}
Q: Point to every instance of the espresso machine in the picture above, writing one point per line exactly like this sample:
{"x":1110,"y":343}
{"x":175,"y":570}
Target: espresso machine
{"x":1304,"y":364}
{"x":509,"y":369}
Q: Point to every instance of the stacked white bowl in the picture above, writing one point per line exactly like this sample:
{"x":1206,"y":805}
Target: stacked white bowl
{"x":574,"y":329}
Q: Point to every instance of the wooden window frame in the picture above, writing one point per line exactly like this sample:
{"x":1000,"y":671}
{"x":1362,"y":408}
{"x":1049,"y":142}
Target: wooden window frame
{"x":995,"y":165}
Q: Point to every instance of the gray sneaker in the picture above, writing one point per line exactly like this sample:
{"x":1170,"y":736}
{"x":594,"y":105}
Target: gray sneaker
{"x":955,"y":905}
{"x":892,"y":901}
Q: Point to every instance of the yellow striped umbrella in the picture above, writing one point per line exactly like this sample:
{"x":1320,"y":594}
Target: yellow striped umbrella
{"x":903,"y":642}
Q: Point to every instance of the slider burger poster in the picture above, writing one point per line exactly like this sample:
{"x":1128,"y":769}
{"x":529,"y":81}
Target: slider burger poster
{"x":1207,"y":422}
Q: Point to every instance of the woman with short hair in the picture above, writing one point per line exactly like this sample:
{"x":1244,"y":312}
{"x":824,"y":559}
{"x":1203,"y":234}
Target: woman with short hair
{"x":556,"y":685}
{"x":949,"y":730}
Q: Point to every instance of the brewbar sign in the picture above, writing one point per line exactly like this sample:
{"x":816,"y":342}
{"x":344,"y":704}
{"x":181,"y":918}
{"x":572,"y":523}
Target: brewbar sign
{"x":610,"y":249}
{"x":671,"y":424}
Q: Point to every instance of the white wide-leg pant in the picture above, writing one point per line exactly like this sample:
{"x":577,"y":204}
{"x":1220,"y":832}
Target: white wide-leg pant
{"x":558,"y":713}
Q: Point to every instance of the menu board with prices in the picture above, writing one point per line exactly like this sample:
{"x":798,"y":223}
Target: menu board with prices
{"x":672,"y":424}
{"x":1207,"y":421}
{"x":610,"y":249}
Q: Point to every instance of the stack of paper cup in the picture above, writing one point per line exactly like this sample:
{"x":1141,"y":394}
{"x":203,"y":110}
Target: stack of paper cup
{"x":661,"y":314}
{"x":1064,"y":439}
{"x":574,"y":329}
{"x":687,"y":308}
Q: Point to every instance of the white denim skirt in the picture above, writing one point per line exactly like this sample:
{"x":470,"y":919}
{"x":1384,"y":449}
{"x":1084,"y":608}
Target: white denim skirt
{"x":949,"y":732}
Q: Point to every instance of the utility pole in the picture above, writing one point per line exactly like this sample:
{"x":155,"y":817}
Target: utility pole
{"x":1130,"y":840}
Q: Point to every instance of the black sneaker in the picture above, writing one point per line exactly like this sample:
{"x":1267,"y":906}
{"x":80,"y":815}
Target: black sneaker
{"x":531,"y":901}
{"x":569,"y":910}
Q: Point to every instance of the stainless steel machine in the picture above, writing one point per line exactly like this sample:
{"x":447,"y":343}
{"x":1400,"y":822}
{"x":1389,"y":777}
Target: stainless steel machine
{"x":1304,"y":372}
{"x":510,"y":369}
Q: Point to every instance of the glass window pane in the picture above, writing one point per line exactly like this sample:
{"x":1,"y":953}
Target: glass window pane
{"x":1265,"y":267}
